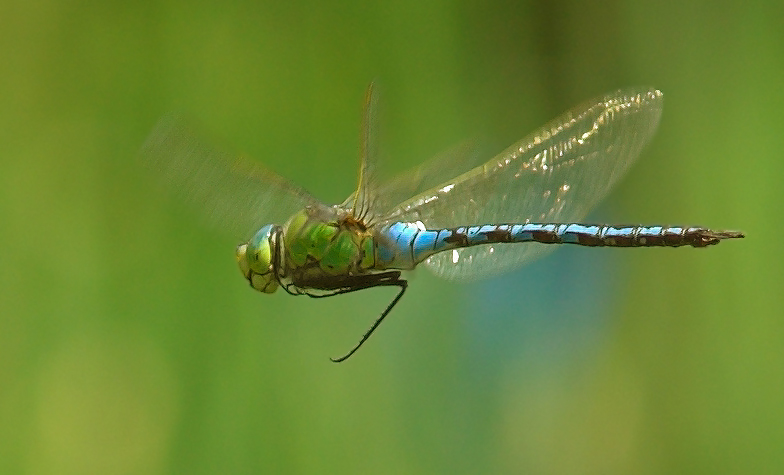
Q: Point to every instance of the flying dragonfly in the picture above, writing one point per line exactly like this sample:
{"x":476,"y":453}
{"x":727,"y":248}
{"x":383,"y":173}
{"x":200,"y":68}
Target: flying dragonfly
{"x":493,"y":217}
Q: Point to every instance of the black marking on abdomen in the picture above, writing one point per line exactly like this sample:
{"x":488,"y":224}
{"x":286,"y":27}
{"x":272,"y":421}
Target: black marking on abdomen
{"x":546,"y":237}
{"x":590,"y":240}
{"x":498,"y":235}
{"x":458,"y":238}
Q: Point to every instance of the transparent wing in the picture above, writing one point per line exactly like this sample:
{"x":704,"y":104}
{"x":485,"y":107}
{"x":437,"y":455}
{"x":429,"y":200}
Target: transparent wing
{"x":556,"y":174}
{"x":444,"y":166}
{"x":374,"y":197}
{"x":364,"y":201}
{"x":234,"y":193}
{"x":412,"y":182}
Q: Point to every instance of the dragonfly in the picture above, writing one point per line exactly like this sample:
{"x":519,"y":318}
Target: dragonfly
{"x":459,"y":216}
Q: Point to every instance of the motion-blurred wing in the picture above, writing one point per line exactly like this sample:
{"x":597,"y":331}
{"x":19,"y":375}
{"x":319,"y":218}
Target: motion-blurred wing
{"x":234,"y":193}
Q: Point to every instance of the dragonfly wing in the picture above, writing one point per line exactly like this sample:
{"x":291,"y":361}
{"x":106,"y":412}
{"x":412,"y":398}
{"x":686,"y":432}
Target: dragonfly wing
{"x":364,"y":200}
{"x":556,"y":174}
{"x":235,"y":193}
{"x":373,"y":196}
{"x":452,"y":162}
{"x":448,"y":164}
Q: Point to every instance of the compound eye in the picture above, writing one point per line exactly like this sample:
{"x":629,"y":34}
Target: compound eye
{"x":255,"y":260}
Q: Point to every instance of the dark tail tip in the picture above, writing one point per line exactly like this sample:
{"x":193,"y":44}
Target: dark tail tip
{"x":728,"y":234}
{"x":708,"y":237}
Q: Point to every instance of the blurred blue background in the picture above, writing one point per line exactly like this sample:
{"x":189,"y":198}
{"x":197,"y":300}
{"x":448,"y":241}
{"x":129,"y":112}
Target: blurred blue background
{"x":129,"y":342}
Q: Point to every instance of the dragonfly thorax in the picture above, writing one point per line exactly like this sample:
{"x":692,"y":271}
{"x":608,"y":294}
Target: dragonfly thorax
{"x":255,"y":259}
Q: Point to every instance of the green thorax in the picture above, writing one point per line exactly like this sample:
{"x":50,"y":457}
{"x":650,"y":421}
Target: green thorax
{"x":319,"y":245}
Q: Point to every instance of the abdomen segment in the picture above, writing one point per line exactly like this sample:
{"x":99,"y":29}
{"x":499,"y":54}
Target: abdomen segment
{"x":412,"y":241}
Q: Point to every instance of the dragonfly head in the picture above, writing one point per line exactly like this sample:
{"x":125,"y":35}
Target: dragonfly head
{"x":255,"y":259}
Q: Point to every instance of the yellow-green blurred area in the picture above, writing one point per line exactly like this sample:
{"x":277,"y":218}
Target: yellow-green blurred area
{"x":129,"y":342}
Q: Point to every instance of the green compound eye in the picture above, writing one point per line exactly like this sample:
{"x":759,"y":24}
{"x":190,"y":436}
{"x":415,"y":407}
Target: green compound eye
{"x":255,"y":260}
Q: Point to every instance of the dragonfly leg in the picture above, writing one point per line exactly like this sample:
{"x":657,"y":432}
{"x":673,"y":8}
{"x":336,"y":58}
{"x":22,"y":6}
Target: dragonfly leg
{"x":345,"y":285}
{"x":403,"y":284}
{"x":385,"y":279}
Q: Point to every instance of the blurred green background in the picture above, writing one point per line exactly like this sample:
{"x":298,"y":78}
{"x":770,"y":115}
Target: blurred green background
{"x":129,"y":342}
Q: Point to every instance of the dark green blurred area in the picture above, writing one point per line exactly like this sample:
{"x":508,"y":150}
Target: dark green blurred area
{"x":129,"y":342}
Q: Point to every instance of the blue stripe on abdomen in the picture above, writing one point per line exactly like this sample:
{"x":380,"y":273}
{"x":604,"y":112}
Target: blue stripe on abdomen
{"x":411,"y":243}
